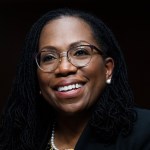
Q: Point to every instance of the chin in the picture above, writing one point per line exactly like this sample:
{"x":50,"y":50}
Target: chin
{"x":70,"y":111}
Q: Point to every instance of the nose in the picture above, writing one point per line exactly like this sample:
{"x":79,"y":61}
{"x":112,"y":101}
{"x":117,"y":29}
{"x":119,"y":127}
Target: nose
{"x":65,"y":67}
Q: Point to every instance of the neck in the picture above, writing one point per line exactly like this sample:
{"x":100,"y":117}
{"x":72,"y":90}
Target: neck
{"x":72,"y":123}
{"x":68,"y":130}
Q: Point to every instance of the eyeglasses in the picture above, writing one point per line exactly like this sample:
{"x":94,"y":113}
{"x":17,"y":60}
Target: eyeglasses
{"x":79,"y":56}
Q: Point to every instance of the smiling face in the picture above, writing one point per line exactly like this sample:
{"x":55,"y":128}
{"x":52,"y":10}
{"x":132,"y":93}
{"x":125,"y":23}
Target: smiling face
{"x":70,"y":89}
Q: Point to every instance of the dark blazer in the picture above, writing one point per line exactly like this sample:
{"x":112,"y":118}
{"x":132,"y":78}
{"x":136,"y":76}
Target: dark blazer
{"x":139,"y":139}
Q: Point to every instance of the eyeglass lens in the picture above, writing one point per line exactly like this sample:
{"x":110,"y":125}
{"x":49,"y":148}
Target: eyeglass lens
{"x":79,"y":56}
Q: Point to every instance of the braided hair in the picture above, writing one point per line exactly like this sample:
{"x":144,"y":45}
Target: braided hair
{"x":27,"y":117}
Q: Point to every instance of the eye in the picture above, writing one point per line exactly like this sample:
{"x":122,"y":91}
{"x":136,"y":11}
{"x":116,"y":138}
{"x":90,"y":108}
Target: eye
{"x":82,"y":51}
{"x":48,"y":58}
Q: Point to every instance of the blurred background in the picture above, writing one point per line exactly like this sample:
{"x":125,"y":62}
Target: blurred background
{"x":130,"y":23}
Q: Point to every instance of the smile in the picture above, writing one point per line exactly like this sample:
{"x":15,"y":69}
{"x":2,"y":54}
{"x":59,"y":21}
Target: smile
{"x":69,"y":87}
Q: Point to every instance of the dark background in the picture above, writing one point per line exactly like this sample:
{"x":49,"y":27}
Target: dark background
{"x":129,"y":22}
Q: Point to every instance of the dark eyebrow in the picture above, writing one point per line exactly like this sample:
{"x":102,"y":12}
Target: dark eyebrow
{"x":48,"y":48}
{"x":78,"y":43}
{"x":72,"y":45}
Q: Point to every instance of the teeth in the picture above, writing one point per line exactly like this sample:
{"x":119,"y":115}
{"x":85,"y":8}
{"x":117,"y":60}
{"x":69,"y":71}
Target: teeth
{"x":69,"y":87}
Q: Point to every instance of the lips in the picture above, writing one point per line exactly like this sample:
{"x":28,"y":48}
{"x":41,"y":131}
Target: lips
{"x":69,"y":87}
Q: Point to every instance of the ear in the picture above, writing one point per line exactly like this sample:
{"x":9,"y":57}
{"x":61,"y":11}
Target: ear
{"x":109,"y":65}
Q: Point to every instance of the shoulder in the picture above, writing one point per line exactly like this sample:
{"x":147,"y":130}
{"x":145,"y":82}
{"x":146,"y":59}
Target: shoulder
{"x":143,"y":118}
{"x":141,"y":126}
{"x":142,"y":110}
{"x":139,"y":138}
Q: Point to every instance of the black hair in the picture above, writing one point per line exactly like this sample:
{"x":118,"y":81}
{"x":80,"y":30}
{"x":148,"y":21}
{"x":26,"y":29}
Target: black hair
{"x":27,"y":117}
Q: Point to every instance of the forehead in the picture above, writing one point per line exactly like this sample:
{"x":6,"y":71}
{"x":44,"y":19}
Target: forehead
{"x":65,"y":30}
{"x":68,"y":21}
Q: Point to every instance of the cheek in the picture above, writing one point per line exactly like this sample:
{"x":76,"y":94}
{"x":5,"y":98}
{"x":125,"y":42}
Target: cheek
{"x":44,"y":84}
{"x":97,"y":79}
{"x":97,"y":71}
{"x":43,"y":79}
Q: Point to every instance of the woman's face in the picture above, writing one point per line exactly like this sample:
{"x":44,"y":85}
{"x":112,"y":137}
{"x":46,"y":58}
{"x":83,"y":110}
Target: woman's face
{"x":85,"y":83}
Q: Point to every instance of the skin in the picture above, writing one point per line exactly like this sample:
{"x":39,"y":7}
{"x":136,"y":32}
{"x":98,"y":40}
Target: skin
{"x":73,"y":108}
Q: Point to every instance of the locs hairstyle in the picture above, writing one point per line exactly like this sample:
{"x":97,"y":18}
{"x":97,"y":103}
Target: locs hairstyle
{"x":27,"y":117}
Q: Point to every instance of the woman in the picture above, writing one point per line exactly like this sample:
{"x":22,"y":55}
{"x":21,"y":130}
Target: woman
{"x":71,"y":90}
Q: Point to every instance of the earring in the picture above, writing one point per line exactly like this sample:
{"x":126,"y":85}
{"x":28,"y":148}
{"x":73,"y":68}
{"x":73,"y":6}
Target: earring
{"x":40,"y":92}
{"x":108,"y":81}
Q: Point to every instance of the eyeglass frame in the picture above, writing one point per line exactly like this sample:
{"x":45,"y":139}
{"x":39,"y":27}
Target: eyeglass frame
{"x":65,"y":54}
